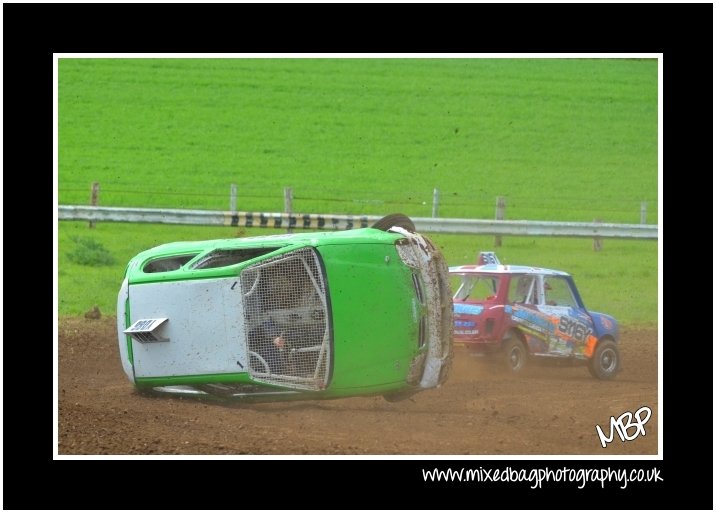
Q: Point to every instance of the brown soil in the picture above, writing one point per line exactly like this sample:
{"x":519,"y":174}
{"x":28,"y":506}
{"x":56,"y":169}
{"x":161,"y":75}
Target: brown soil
{"x":480,"y":411}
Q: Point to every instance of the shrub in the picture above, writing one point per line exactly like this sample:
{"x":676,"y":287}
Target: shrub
{"x":89,"y":252}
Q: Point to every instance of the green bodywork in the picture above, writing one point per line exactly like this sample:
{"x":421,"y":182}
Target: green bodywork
{"x":373,"y":305}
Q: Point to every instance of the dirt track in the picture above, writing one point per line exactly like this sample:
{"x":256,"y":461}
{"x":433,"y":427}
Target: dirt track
{"x":548,"y":411}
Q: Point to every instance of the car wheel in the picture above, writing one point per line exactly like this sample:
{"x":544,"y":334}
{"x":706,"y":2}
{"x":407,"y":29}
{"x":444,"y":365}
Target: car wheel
{"x":514,"y":355}
{"x":605,"y":362}
{"x":399,"y":220}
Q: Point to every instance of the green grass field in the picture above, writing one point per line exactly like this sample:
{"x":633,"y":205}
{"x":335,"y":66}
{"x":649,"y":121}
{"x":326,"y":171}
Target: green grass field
{"x":561,"y":139}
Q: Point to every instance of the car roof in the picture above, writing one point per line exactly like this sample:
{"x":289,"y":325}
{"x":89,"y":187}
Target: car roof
{"x":503,"y":269}
{"x":355,"y":236}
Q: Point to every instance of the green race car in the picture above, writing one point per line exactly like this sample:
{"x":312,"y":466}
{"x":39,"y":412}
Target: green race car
{"x":296,"y":316}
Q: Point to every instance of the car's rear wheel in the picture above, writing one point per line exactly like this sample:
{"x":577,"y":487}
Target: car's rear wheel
{"x":605,"y":362}
{"x":399,"y":220}
{"x":514,"y":355}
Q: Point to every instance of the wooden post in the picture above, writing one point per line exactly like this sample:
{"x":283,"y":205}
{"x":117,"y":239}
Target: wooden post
{"x":94,"y":198}
{"x":499,"y":216}
{"x":643,"y":212}
{"x":288,"y":205}
{"x":232,"y":198}
{"x":597,"y":240}
{"x":436,"y":202}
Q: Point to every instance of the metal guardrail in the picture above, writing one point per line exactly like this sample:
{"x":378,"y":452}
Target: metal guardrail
{"x":344,"y":222}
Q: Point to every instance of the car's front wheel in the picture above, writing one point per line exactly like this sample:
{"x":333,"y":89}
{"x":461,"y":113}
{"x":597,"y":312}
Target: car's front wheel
{"x":605,"y":361}
{"x":514,"y":355}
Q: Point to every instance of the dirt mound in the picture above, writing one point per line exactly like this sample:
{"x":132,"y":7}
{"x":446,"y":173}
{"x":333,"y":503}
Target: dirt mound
{"x":548,"y":411}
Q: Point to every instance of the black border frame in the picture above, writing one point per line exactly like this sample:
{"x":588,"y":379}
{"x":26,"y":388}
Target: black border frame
{"x":683,"y":33}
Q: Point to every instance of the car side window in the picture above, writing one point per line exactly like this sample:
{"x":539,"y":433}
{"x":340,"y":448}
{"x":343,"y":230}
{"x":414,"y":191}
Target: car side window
{"x":475,"y":288}
{"x":522,"y":289}
{"x":557,"y":292}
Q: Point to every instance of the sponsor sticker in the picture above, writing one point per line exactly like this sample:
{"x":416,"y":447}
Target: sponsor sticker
{"x":462,"y":308}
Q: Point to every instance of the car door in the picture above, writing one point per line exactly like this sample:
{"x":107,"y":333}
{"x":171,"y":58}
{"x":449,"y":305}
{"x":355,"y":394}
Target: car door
{"x":525,"y":313}
{"x":572,"y":326}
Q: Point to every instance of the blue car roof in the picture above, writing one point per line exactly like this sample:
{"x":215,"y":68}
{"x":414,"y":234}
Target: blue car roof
{"x":503,"y":269}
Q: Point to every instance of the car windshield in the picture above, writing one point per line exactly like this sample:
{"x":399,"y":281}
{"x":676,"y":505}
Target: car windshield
{"x":474,"y":287}
{"x":285,"y":299}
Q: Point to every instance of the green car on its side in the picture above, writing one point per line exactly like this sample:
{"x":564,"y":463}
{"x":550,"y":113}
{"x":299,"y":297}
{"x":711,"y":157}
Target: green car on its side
{"x":296,"y":316}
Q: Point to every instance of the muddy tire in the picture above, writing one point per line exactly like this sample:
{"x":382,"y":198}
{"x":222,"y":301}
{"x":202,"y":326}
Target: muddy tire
{"x":514,"y":355}
{"x":399,"y":220}
{"x":605,"y":362}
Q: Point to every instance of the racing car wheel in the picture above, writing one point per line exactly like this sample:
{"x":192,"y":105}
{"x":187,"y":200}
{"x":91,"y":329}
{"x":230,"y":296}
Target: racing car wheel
{"x":399,"y":220}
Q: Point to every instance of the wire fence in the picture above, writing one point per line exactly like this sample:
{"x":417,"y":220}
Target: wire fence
{"x":429,"y":203}
{"x":291,"y":221}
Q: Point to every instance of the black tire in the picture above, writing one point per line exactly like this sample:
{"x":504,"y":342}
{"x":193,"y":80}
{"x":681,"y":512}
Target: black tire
{"x":605,"y":362}
{"x":514,"y":355}
{"x":399,"y":220}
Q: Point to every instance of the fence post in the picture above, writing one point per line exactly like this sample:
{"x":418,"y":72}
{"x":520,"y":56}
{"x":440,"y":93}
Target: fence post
{"x":643,"y":212}
{"x":436,"y":202}
{"x":288,"y":205}
{"x":597,"y":240}
{"x":232,"y":199}
{"x":94,"y":198}
{"x":499,"y":216}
